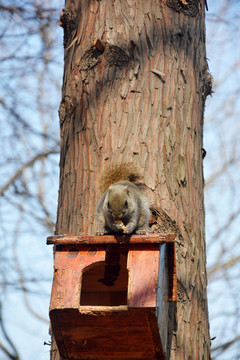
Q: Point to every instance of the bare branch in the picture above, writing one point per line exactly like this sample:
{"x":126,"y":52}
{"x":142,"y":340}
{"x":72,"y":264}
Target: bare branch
{"x":14,"y":355}
{"x":220,"y":171}
{"x":223,"y":266}
{"x":226,"y":345}
{"x":29,"y":163}
{"x":11,"y":9}
{"x":223,"y":228}
{"x":22,"y":279}
{"x":7,"y":352}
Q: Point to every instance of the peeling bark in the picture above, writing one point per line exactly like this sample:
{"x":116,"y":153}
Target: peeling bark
{"x":140,"y":99}
{"x":187,"y":7}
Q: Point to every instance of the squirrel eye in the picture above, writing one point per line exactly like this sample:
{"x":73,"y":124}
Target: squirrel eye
{"x":108,"y":204}
{"x":126,"y":203}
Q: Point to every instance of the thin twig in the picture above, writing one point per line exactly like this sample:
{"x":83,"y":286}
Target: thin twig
{"x":226,"y":345}
{"x":14,"y":356}
{"x":24,"y":166}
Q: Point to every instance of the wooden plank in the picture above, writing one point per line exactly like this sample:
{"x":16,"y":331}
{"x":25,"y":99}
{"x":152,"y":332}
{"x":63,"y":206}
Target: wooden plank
{"x":163,"y":296}
{"x":167,"y":289}
{"x":101,"y":310}
{"x":68,"y":267}
{"x":112,"y":335}
{"x":65,"y":289}
{"x":143,"y":277}
{"x":109,"y":239}
{"x":156,"y":336}
{"x":78,"y":258}
{"x":172,"y":272}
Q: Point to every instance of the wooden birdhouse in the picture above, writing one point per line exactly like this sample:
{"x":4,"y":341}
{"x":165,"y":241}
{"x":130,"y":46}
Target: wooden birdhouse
{"x":110,"y":295}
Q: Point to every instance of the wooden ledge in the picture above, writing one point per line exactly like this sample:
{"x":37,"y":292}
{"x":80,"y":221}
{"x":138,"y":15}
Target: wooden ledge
{"x":110,"y":239}
{"x":101,"y":310}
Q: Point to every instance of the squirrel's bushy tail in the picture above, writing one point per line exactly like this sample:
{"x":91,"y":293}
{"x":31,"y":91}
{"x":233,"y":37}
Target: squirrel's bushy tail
{"x":124,"y":171}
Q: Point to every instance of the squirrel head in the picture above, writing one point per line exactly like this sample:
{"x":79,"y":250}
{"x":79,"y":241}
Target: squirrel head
{"x":117,"y":201}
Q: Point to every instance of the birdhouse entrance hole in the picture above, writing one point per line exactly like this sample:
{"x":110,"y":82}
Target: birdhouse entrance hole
{"x":106,"y":283}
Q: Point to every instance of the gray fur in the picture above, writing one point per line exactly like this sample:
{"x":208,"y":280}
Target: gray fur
{"x":123,"y":202}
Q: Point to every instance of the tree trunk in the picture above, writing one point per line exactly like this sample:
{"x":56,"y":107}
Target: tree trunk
{"x":138,"y":94}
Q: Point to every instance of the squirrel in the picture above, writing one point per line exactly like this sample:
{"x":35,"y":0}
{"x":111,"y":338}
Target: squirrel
{"x":123,"y":208}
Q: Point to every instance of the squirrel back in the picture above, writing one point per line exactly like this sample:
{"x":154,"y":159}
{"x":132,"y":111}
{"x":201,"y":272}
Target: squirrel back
{"x":122,"y":207}
{"x":120,"y":172}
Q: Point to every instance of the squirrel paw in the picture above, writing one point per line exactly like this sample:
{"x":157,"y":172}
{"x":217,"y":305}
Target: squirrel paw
{"x":141,"y":232}
{"x":99,"y":233}
{"x":119,"y":225}
{"x":103,"y":232}
{"x":128,"y":230}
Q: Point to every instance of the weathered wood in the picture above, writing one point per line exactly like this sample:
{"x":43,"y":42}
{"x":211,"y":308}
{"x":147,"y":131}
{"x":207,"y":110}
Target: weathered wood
{"x":172,"y":272}
{"x":123,"y":334}
{"x":163,"y":295}
{"x":143,"y":277}
{"x":68,"y":266}
{"x":109,"y":239}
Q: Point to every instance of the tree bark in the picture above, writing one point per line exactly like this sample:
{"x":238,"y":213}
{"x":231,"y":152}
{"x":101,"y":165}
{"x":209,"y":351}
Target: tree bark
{"x":138,"y":94}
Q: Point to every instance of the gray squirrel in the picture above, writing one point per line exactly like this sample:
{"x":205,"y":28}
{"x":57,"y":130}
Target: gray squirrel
{"x":123,"y":208}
